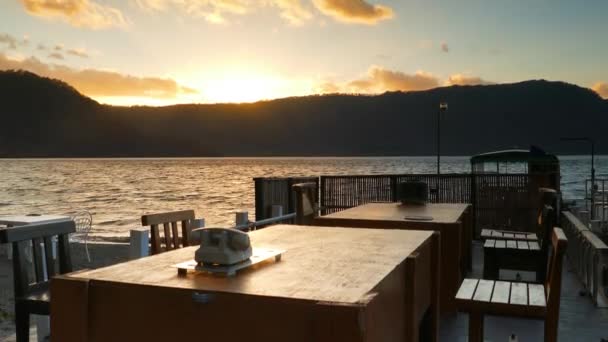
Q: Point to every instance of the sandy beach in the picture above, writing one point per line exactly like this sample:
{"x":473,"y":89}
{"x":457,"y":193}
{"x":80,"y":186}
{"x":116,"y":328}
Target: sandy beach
{"x":102,"y":254}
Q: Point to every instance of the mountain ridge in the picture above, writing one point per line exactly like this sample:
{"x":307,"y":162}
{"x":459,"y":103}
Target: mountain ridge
{"x":48,"y":118}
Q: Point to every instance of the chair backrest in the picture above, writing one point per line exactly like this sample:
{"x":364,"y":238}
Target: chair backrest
{"x":305,"y":202}
{"x":546,"y":222}
{"x":83,"y":221}
{"x":170,"y":239}
{"x":36,"y":240}
{"x":553,"y":281}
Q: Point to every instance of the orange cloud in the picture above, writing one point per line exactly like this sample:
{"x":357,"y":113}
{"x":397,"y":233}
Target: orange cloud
{"x":9,"y":40}
{"x":97,"y":83}
{"x":78,"y":52}
{"x":79,"y":13}
{"x":55,"y":55}
{"x":601,"y":88}
{"x":460,"y":79}
{"x":354,"y":11}
{"x":215,"y":11}
{"x":380,"y":80}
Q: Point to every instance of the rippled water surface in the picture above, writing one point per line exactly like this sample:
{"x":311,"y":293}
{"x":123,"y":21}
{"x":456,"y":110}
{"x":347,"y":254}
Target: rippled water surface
{"x":119,"y":191}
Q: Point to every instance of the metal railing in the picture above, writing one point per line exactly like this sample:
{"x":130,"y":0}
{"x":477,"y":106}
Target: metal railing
{"x":588,"y":255}
{"x":253,"y":225}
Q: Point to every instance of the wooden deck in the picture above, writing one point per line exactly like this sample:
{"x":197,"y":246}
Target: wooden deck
{"x":579,"y":319}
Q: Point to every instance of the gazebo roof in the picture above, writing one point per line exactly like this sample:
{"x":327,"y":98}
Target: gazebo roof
{"x":535,"y":155}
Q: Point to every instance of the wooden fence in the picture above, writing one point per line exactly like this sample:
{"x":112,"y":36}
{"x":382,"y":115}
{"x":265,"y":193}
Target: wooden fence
{"x":509,"y":200}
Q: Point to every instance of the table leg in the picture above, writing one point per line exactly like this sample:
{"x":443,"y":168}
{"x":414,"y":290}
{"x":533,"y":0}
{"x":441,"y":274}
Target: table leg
{"x":475,"y":327}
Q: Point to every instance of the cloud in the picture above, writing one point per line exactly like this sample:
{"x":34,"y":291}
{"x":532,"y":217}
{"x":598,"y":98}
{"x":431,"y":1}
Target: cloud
{"x":55,"y":55}
{"x":327,"y":88}
{"x":444,"y":47}
{"x":97,"y":83}
{"x":58,"y":47}
{"x":78,"y":13}
{"x":379,"y":80}
{"x":601,"y":88}
{"x":292,"y":10}
{"x":41,"y":47}
{"x":9,"y":40}
{"x":460,"y":79}
{"x":354,"y":11}
{"x":215,"y":11}
{"x":78,"y":52}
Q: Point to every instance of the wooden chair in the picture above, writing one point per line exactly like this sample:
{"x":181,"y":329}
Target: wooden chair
{"x":305,"y":203}
{"x":169,"y":221}
{"x":520,"y":254}
{"x":36,"y":240}
{"x":84,"y":223}
{"x":502,"y":298}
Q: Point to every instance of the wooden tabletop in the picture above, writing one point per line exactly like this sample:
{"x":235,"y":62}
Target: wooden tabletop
{"x":436,"y":212}
{"x":21,"y":220}
{"x":320,"y":263}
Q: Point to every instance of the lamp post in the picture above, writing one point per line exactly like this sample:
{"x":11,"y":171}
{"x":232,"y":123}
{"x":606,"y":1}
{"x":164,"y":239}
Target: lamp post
{"x":589,"y":140}
{"x":443,"y":107}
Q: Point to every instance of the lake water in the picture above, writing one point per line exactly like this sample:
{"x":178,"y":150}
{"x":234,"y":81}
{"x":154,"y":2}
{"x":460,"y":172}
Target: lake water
{"x":119,"y":191}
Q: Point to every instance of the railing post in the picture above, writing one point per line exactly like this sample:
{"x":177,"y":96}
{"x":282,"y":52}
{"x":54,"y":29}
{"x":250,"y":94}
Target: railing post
{"x":322,"y":199}
{"x":393,"y":185}
{"x":195,"y":224}
{"x":277,"y":210}
{"x":43,"y":328}
{"x":241,"y":218}
{"x":259,"y":199}
{"x":139,"y":243}
{"x":473,"y":198}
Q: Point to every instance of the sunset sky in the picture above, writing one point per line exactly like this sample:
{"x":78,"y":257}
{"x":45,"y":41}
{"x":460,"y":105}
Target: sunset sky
{"x":160,"y":52}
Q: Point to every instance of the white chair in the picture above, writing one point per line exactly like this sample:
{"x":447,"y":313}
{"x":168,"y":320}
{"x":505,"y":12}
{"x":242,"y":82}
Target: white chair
{"x":84,"y":222}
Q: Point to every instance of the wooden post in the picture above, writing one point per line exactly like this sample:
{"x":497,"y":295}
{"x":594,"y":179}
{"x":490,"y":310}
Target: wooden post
{"x":277,"y":210}
{"x":140,"y":243}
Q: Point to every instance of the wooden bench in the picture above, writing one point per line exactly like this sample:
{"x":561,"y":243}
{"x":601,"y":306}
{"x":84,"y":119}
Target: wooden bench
{"x":507,"y":235}
{"x":171,"y":239}
{"x":480,"y":297}
{"x":32,"y":296}
{"x":519,"y":254}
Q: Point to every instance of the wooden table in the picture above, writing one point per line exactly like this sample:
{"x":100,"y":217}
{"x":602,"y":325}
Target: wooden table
{"x":452,"y":220}
{"x":332,"y":284}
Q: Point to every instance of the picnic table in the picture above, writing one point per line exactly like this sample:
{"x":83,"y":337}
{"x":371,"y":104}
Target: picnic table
{"x":331,"y":284}
{"x":452,"y":220}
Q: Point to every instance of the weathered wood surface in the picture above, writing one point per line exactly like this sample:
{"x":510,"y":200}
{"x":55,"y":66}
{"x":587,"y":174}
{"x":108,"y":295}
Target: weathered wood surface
{"x":507,"y":235}
{"x":20,"y":220}
{"x":37,"y":230}
{"x":451,"y":220}
{"x":439,"y":212}
{"x":323,"y":264}
{"x":331,"y":284}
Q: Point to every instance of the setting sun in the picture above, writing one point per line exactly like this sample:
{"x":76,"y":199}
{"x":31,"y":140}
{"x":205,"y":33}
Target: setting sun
{"x":240,"y":89}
